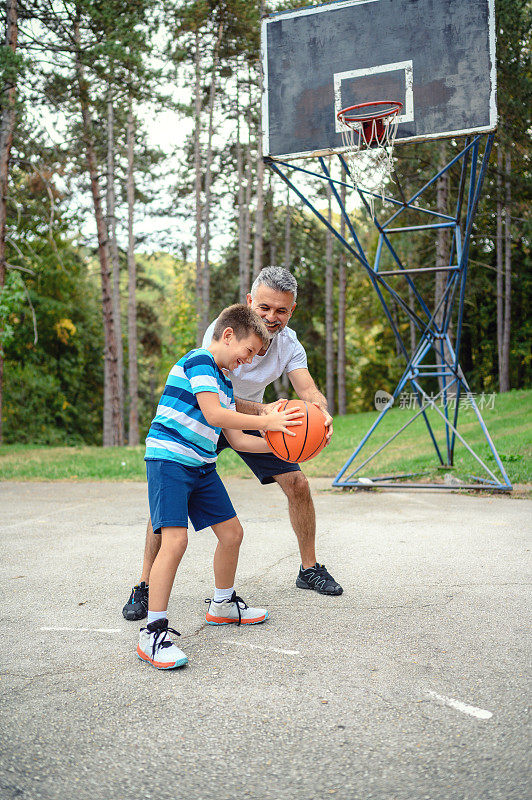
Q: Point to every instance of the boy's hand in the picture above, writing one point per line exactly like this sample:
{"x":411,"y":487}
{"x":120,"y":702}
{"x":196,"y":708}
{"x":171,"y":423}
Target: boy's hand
{"x":279,"y":420}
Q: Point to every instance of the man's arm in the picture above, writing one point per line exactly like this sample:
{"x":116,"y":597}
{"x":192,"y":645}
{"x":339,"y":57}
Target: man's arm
{"x":220,"y":417}
{"x":249,"y":406}
{"x":306,"y":389}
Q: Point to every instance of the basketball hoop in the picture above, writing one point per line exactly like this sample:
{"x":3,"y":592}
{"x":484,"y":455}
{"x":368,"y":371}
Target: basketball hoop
{"x":368,"y":135}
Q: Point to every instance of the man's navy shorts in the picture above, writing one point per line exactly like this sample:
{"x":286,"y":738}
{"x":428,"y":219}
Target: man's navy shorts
{"x":177,"y":492}
{"x":263,"y":465}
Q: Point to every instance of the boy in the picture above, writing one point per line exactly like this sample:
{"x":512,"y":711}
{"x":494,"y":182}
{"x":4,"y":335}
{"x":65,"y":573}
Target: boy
{"x":197,"y":402}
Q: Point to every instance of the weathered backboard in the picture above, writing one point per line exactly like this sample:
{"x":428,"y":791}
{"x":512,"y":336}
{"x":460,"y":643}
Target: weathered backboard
{"x":437,"y":57}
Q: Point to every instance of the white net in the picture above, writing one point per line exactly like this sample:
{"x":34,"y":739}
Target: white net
{"x":369,"y":152}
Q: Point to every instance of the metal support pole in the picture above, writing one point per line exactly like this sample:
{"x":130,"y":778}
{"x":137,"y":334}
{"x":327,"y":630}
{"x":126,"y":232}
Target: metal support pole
{"x":434,"y":337}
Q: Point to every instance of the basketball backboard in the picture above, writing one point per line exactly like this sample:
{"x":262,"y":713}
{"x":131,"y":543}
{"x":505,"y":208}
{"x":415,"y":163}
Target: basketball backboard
{"x":437,"y":57}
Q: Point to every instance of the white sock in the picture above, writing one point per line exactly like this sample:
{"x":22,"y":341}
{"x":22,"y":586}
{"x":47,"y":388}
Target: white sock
{"x":223,"y":594}
{"x":153,"y":616}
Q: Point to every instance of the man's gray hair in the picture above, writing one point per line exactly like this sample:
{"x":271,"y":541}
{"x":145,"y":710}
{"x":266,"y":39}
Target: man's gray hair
{"x":278,"y":278}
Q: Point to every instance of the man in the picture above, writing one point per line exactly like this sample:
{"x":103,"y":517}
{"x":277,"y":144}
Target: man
{"x":273,"y":297}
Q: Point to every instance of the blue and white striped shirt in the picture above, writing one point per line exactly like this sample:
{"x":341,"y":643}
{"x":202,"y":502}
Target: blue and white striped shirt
{"x":179,"y":431}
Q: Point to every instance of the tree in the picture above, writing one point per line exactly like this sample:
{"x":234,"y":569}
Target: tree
{"x":10,"y":67}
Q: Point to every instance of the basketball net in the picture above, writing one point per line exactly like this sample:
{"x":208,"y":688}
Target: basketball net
{"x":369,"y":152}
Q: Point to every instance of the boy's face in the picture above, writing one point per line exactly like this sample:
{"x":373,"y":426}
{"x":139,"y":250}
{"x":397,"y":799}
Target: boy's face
{"x":239,"y":351}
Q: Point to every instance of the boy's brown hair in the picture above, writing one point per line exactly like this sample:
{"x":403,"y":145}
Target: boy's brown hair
{"x":243,"y":320}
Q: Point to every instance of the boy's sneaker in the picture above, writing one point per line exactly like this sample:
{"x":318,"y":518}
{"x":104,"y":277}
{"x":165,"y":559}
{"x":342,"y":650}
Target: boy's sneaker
{"x":319,"y":579}
{"x":234,"y":610}
{"x":137,"y":605}
{"x":157,"y":648}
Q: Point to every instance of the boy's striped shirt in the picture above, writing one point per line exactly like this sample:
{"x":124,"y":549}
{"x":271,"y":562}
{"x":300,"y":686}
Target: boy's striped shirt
{"x":179,"y":431}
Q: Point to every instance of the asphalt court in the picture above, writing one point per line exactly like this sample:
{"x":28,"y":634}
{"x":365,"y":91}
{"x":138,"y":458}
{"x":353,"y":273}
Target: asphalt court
{"x":412,"y":684}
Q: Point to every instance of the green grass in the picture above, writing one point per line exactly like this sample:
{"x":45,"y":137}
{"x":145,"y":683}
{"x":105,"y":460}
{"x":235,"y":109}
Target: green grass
{"x":509,"y":423}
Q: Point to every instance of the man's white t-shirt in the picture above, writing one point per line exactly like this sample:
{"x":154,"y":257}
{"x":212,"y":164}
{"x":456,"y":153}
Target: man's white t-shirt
{"x":284,"y":354}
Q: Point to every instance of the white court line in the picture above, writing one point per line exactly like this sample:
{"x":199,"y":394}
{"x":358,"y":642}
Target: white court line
{"x":260,"y":647}
{"x":60,"y":509}
{"x":85,"y":630}
{"x":473,"y":711}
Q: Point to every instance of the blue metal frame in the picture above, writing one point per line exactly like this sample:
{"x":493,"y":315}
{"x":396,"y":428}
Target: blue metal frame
{"x":432,"y":327}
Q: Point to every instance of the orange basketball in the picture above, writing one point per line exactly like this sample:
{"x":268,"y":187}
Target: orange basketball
{"x":310,"y":436}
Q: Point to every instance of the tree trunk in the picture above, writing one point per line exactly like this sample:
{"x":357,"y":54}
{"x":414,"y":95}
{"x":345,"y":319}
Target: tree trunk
{"x":271,"y":224}
{"x":206,"y":276}
{"x":133,"y":381}
{"x":259,"y":213}
{"x":113,"y":251}
{"x":247,"y":209}
{"x":505,"y":382}
{"x":197,"y":187}
{"x":287,"y":231}
{"x":329,"y":308}
{"x":107,"y":417}
{"x":242,"y":287}
{"x":7,"y":127}
{"x":107,"y":297}
{"x":500,"y":264}
{"x":342,"y":400}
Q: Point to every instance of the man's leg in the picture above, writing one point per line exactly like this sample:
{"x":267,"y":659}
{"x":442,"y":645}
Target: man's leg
{"x":151,"y":548}
{"x":302,"y":514}
{"x":267,"y":468}
{"x":137,"y":606}
{"x":303,"y":518}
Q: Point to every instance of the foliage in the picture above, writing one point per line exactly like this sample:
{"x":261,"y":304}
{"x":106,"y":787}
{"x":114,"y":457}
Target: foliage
{"x":53,"y":385}
{"x":53,"y":367}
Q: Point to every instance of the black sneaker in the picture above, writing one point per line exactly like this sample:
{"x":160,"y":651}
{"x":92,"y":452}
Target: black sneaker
{"x":137,"y":605}
{"x":319,"y":579}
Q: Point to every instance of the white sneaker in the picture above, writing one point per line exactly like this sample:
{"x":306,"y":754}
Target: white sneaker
{"x":234,"y":610}
{"x":157,"y":648}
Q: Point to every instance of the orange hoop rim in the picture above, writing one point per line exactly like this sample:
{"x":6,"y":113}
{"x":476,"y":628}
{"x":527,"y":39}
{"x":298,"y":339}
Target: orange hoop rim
{"x":396,"y":106}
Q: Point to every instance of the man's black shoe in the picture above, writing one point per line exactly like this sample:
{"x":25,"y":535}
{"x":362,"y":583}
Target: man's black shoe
{"x":319,"y":579}
{"x":137,"y":605}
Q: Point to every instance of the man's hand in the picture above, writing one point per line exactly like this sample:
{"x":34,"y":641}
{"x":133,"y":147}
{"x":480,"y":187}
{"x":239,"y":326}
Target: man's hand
{"x":267,"y":408}
{"x":328,"y":422}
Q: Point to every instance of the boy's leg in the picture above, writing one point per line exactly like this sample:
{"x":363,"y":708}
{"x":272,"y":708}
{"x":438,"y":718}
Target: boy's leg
{"x":154,"y":646}
{"x":227,"y":607}
{"x":229,"y":535}
{"x":173,"y":545}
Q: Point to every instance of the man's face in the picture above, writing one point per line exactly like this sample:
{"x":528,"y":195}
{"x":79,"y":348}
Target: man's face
{"x":275,"y":308}
{"x":240,"y":351}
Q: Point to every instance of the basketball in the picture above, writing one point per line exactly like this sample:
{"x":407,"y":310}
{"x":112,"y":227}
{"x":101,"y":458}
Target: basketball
{"x":310,"y":436}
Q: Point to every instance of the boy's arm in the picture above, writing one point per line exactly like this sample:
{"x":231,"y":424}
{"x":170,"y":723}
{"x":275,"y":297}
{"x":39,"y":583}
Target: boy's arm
{"x":245,"y":443}
{"x":220,"y":417}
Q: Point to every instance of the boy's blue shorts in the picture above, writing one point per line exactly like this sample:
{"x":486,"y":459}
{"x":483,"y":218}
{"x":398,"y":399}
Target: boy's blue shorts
{"x":177,"y":492}
{"x":263,"y":465}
